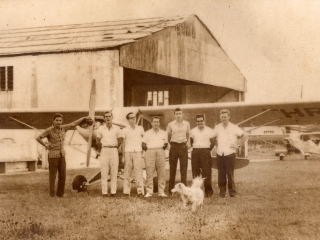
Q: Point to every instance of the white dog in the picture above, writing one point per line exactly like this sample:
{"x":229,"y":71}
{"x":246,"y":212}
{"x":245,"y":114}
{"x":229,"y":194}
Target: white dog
{"x":193,"y":194}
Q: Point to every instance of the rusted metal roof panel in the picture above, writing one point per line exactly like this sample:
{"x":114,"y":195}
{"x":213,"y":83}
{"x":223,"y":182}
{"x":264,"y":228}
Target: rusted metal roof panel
{"x":79,"y":37}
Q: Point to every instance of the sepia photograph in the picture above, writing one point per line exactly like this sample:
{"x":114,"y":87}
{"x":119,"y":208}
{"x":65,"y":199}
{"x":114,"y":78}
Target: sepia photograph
{"x":171,"y":119}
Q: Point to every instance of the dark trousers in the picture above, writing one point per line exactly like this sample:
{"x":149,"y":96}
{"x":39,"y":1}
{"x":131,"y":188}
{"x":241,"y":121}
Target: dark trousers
{"x":178,"y":151}
{"x":226,"y":172}
{"x":57,"y":165}
{"x":201,"y":164}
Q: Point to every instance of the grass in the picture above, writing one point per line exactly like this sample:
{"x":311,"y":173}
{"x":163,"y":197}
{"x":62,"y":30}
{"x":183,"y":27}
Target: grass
{"x":277,"y":200}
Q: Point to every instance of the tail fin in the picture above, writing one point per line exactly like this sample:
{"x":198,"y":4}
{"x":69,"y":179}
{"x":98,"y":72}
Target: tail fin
{"x":197,"y":182}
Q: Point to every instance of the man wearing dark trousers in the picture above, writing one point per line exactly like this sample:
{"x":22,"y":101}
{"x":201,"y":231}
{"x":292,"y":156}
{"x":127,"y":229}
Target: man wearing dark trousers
{"x":178,"y":135}
{"x":202,"y":141}
{"x":57,"y":163}
{"x":229,"y":139}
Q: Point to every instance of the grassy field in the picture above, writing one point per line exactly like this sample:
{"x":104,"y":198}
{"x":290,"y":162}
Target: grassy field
{"x":277,"y":200}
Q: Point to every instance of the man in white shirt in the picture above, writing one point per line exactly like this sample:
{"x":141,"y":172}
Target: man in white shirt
{"x":108,"y":141}
{"x":229,"y":139}
{"x":178,"y":136}
{"x":132,"y":159}
{"x":202,"y":141}
{"x":154,"y":142}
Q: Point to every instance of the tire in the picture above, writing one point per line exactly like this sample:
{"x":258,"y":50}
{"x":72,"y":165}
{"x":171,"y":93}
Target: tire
{"x":79,"y":183}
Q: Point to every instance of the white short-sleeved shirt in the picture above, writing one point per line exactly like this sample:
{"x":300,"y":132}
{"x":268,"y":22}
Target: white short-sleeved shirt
{"x":178,"y":131}
{"x":226,"y":137}
{"x":109,"y":137}
{"x":155,"y":139}
{"x":201,"y":138}
{"x":133,"y":138}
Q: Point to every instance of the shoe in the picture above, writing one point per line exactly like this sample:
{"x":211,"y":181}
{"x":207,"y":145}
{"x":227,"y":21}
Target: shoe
{"x":208,"y":194}
{"x":113,"y":195}
{"x":148,"y":195}
{"x":105,"y":195}
{"x":222,"y":195}
{"x":233,"y":195}
{"x":126,"y":194}
{"x":140,"y":194}
{"x":162,"y":195}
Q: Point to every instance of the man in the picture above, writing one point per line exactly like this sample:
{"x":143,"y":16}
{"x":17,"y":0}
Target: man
{"x":108,"y":142}
{"x":229,"y":139}
{"x":57,"y":163}
{"x":154,"y":142}
{"x":202,"y":141}
{"x":132,"y":159}
{"x":178,"y":135}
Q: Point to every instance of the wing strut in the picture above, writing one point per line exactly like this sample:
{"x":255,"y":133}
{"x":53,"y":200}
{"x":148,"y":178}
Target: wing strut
{"x":263,"y":124}
{"x":14,"y":119}
{"x":253,"y":117}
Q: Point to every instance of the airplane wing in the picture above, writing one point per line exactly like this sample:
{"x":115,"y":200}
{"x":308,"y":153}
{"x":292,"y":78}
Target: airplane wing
{"x":243,"y":114}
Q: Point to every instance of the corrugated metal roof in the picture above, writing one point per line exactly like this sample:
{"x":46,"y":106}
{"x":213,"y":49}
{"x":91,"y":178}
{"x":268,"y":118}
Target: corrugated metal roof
{"x":81,"y":37}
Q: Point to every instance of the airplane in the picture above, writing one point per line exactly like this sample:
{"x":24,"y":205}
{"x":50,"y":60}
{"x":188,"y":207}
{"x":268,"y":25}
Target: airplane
{"x":300,"y":139}
{"x":243,"y":114}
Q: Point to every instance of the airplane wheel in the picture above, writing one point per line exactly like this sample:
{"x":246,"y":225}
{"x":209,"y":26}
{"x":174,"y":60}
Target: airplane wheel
{"x":281,"y":157}
{"x":79,"y":183}
{"x":155,"y":184}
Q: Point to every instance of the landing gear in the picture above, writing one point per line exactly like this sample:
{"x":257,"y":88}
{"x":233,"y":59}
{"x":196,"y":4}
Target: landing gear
{"x":281,"y":156}
{"x":307,"y":156}
{"x":79,"y":183}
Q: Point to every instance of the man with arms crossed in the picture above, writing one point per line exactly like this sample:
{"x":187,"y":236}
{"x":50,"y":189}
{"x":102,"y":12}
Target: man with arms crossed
{"x":154,"y":142}
{"x":229,"y":139}
{"x":202,"y":141}
{"x":57,"y":163}
{"x":178,"y":135}
{"x":132,"y":159}
{"x":108,"y":141}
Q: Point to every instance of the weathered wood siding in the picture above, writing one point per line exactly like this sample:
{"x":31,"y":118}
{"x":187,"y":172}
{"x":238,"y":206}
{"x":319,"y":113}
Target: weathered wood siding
{"x":186,"y":51}
{"x":63,"y":81}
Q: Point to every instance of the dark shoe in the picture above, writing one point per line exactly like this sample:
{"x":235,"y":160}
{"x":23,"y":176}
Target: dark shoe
{"x":209,"y":194}
{"x":126,"y":195}
{"x":105,"y":195}
{"x":222,"y":195}
{"x":233,"y":195}
{"x":113,"y":195}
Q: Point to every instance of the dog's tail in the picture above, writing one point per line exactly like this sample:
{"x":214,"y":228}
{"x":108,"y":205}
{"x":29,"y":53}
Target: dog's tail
{"x":197,"y":182}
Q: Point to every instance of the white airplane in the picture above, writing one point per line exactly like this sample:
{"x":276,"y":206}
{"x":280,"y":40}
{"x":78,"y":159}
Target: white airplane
{"x":242,"y":113}
{"x":304,"y":142}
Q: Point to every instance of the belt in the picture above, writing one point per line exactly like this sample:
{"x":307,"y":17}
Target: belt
{"x":201,"y":148}
{"x":154,"y":148}
{"x":110,"y":146}
{"x":178,"y":143}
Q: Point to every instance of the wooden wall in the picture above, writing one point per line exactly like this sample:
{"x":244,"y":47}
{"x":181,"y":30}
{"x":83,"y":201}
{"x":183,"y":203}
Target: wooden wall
{"x":63,"y":81}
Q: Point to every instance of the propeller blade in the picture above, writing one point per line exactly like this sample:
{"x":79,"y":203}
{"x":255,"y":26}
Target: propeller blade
{"x":92,"y":104}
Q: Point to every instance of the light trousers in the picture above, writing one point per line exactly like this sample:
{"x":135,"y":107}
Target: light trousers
{"x":155,"y":160}
{"x":109,"y":161}
{"x":133,"y":163}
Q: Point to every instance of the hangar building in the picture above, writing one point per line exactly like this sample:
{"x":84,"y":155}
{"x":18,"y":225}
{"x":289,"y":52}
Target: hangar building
{"x":155,"y":61}
{"x":141,"y":62}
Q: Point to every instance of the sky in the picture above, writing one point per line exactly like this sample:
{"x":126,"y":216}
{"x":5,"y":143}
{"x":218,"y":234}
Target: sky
{"x":274,"y":43}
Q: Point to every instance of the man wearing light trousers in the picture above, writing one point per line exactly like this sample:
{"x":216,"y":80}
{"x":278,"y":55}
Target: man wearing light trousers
{"x":109,"y":140}
{"x":154,"y":142}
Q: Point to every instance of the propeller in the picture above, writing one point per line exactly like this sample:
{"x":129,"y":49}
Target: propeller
{"x":92,"y":104}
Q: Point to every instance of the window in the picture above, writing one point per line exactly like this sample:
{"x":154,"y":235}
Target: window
{"x":158,"y":98}
{"x":6,"y":78}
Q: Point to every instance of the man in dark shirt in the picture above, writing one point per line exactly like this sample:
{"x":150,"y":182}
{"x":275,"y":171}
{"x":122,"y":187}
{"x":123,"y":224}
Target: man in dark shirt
{"x":57,"y":163}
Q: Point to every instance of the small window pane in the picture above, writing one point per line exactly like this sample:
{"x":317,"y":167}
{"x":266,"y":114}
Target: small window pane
{"x":2,"y":78}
